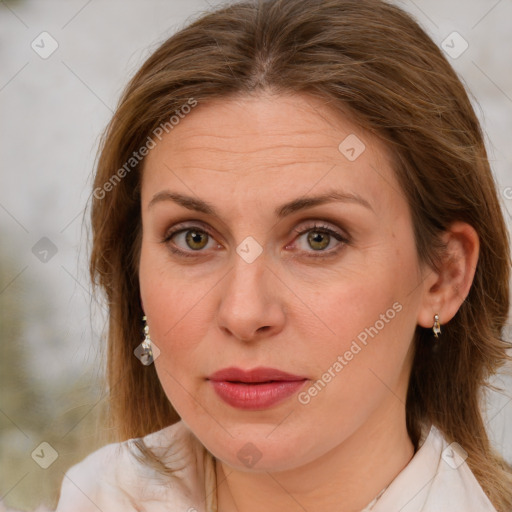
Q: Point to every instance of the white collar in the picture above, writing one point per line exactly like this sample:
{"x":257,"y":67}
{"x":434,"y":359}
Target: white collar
{"x":435,"y":480}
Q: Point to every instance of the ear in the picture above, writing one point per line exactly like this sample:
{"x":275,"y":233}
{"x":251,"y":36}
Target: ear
{"x":446,"y":289}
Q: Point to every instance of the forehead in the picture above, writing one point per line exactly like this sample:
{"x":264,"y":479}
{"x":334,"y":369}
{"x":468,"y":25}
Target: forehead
{"x":265,"y":147}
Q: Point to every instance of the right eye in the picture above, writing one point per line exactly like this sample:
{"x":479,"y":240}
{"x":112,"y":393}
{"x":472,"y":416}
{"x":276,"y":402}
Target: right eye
{"x":186,"y":241}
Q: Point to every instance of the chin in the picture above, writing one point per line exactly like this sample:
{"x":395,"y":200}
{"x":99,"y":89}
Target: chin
{"x":257,"y":448}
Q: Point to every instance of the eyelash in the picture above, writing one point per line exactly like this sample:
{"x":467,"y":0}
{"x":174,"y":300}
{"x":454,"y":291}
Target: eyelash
{"x":320,"y":228}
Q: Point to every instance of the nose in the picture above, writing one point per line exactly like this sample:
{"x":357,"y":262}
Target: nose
{"x":251,"y":305}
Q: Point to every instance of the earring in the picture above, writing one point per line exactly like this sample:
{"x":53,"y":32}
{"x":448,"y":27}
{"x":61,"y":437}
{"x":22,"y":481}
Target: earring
{"x":146,"y":353}
{"x":437,"y":326}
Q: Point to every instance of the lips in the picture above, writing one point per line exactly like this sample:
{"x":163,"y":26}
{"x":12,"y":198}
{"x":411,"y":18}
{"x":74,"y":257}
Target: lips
{"x":259,"y":388}
{"x":261,"y":374}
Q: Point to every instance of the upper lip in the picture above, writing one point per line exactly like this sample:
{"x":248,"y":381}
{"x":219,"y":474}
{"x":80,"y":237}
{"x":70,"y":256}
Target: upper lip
{"x":260,"y":374}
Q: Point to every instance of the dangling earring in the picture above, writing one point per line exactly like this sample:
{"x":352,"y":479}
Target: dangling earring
{"x":146,"y":351}
{"x":437,"y":326}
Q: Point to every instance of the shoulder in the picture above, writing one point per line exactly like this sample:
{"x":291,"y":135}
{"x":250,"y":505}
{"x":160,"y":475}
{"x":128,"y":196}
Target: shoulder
{"x":437,"y":478}
{"x":116,"y":477}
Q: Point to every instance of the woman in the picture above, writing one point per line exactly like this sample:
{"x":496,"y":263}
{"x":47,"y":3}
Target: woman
{"x":293,"y":206}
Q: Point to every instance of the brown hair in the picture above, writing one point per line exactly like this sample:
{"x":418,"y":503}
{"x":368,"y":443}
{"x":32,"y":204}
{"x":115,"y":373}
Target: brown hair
{"x":372,"y":59}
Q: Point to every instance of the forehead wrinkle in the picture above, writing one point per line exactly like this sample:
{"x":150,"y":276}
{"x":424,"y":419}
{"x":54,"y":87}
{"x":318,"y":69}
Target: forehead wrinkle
{"x":269,"y":132}
{"x":270,"y":169}
{"x":276,"y":168}
{"x":203,"y":148}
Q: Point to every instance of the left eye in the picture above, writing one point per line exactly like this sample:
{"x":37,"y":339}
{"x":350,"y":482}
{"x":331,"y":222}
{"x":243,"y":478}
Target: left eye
{"x":319,"y":237}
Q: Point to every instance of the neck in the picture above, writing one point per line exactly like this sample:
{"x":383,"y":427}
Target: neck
{"x":346,"y":478}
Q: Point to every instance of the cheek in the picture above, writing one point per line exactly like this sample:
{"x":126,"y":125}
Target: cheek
{"x":177,"y":323}
{"x":176,"y":331}
{"x":172,"y":297}
{"x":358,"y":300}
{"x":368,"y":326}
{"x":176,"y":305}
{"x":364,"y":365}
{"x":371,"y":317}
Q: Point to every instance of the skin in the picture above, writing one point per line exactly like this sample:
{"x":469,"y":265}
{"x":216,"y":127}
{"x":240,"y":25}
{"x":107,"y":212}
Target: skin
{"x":288,"y":309}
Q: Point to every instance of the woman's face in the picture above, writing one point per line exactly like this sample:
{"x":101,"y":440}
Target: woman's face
{"x":243,"y":265}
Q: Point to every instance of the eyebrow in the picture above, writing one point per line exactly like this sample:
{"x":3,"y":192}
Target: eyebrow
{"x":302,"y":203}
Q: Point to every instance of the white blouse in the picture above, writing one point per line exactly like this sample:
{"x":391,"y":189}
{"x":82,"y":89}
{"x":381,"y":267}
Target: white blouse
{"x":437,"y":479}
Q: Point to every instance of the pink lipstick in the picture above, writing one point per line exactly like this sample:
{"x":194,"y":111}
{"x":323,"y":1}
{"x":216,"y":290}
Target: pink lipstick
{"x":255,"y":389}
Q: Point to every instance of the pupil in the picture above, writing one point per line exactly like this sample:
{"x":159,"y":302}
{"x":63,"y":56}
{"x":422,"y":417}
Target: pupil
{"x":194,"y":238}
{"x":317,"y":237}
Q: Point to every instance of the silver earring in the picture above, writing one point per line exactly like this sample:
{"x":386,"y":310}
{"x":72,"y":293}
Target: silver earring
{"x":437,"y":326}
{"x":146,"y":353}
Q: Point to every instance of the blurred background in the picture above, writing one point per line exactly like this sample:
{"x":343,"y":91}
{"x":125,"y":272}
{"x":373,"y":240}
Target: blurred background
{"x":62,"y":68}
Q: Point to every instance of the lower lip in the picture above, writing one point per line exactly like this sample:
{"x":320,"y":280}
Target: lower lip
{"x":255,"y":396}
